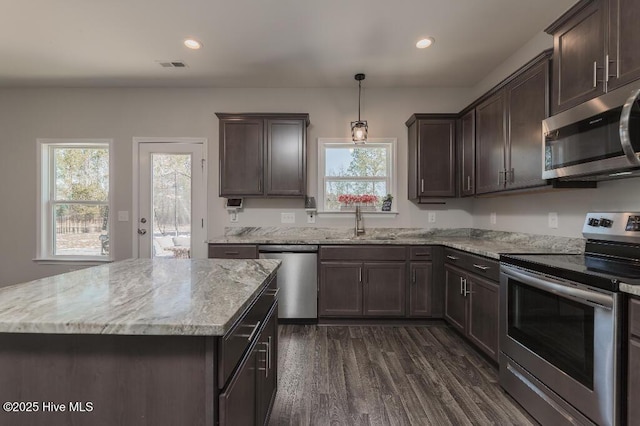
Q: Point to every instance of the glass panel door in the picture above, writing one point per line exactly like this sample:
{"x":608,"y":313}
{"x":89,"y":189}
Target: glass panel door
{"x":171,"y":201}
{"x":559,"y":330}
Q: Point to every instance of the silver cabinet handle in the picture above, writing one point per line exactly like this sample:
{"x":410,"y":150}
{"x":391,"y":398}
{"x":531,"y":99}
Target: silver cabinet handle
{"x":466,"y":292}
{"x":469,"y":183}
{"x":595,"y":74}
{"x":421,"y":185}
{"x":414,"y":276}
{"x":253,"y":333}
{"x":461,"y":286}
{"x":266,"y":358}
{"x":625,"y":139}
{"x":360,"y":274}
{"x":452,"y":257}
{"x":269,"y":357}
{"x":272,"y":293}
{"x":481,"y":267}
{"x":231,"y":253}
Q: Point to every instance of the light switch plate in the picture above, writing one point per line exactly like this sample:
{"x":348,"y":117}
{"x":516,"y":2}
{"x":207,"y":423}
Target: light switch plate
{"x":123,"y":216}
{"x":553,"y":220}
{"x":432,"y":217}
{"x":311,"y":217}
{"x":287,"y":218}
{"x":493,"y":218}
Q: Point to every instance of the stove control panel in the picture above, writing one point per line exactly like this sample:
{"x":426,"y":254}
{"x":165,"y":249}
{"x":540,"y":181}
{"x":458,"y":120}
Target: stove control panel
{"x":633,"y":223}
{"x":613,"y":226}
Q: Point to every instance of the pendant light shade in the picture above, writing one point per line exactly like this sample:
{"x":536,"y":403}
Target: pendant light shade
{"x":360,"y":128}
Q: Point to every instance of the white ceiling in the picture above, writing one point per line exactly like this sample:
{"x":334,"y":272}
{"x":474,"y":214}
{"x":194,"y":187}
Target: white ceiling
{"x":263,"y":43}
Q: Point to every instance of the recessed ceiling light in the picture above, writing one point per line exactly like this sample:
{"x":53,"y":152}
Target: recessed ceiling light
{"x":425,"y":42}
{"x":192,"y":44}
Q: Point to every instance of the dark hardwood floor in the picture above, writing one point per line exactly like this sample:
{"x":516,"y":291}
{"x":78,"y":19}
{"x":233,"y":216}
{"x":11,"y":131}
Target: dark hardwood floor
{"x":356,"y":375}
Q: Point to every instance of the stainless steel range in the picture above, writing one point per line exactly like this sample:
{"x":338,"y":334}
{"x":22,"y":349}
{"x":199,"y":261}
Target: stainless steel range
{"x":561,"y":325}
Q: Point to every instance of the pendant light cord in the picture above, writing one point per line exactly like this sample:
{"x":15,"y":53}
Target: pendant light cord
{"x":359,"y":92}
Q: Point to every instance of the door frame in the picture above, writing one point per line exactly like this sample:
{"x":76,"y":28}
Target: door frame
{"x":135,"y":181}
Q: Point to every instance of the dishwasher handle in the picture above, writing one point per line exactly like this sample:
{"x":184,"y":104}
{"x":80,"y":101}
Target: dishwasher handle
{"x":288,"y":248}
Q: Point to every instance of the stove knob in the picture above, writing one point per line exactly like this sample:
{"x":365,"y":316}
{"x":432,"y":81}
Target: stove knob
{"x":593,"y":222}
{"x":606,"y":222}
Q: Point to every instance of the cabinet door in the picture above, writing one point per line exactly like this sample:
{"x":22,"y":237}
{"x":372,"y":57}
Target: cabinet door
{"x":436,"y":158}
{"x":624,"y":42}
{"x":467,"y":144}
{"x":455,"y":303}
{"x":238,"y":403}
{"x":340,"y":289}
{"x":241,"y":157}
{"x":267,"y":368}
{"x":526,"y":108}
{"x":420,"y":284}
{"x":633,"y":390}
{"x":384,"y":289}
{"x":286,"y":157}
{"x":490,"y":144}
{"x":483,"y":301}
{"x":578,"y":62}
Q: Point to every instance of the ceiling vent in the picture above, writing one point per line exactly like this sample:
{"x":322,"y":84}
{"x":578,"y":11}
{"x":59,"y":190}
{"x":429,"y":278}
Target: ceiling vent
{"x":172,"y":64}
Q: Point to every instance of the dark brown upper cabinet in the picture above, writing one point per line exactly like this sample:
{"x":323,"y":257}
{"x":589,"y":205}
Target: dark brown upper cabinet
{"x":596,"y":46}
{"x":431,"y":168}
{"x":508,"y":130}
{"x":624,"y":42}
{"x":466,"y":152}
{"x":263,"y":155}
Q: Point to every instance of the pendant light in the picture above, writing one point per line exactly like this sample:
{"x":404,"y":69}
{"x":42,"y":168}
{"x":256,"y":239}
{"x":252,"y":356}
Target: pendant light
{"x":359,"y":129}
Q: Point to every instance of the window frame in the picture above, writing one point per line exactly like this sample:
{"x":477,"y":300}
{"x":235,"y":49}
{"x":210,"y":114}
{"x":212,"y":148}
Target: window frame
{"x":45,"y":201}
{"x":391,"y":178}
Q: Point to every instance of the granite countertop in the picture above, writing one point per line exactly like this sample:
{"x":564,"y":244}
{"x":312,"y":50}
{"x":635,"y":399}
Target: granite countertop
{"x":138,"y":297}
{"x":482,"y":242}
{"x":630,"y":289}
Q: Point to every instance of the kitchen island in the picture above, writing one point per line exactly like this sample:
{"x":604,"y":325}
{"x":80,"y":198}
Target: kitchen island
{"x":141,"y":342}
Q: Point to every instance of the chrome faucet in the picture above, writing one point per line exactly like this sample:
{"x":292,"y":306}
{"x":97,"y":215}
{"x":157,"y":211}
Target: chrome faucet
{"x":359,"y":222}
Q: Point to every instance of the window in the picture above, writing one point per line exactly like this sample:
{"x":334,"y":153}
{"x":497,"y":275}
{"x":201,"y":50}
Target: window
{"x":74,"y":194}
{"x":351,"y":174}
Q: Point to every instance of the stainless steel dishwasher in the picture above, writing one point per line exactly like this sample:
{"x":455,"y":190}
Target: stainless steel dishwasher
{"x":297,"y":280}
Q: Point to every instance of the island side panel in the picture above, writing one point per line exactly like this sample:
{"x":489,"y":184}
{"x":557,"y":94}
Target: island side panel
{"x":143,"y":380}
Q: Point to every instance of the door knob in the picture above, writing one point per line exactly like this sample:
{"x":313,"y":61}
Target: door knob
{"x":142,"y":231}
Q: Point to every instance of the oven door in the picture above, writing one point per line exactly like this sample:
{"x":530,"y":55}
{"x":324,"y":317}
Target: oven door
{"x":566,"y":336}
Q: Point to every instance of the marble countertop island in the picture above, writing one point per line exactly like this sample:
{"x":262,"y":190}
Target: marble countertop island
{"x":138,"y":297}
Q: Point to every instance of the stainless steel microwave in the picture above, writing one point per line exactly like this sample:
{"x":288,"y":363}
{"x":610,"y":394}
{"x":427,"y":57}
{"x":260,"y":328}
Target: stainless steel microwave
{"x":599,"y":139}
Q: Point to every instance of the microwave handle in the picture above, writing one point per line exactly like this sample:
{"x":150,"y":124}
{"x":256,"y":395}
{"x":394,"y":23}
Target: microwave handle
{"x":625,"y":139}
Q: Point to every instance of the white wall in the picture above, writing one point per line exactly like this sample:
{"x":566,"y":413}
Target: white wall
{"x":124,"y":113}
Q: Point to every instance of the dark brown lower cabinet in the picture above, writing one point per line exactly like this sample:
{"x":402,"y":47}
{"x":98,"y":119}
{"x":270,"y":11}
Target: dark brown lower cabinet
{"x":357,"y":289}
{"x":633,"y":367}
{"x":384,"y":289}
{"x":472,"y":307}
{"x":238,"y":402}
{"x":340,"y":289}
{"x":420,"y":288}
{"x":267,"y":369}
{"x":455,"y":307}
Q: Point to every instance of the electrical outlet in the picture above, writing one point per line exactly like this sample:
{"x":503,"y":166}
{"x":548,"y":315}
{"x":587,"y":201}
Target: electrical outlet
{"x":311,"y":217}
{"x":553,"y":220}
{"x":287,"y":218}
{"x":432,"y":217}
{"x":123,"y":216}
{"x":492,"y":218}
{"x":233,"y":217}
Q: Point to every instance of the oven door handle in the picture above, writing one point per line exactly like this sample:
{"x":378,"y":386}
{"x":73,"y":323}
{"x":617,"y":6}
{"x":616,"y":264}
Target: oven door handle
{"x":625,"y":138}
{"x":586,"y":297}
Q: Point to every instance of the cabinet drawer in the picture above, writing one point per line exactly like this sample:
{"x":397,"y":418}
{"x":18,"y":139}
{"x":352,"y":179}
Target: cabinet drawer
{"x":420,"y":253}
{"x":479,"y":265}
{"x":384,"y":253}
{"x":634,"y":316}
{"x":233,"y":251}
{"x":244,"y":332}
